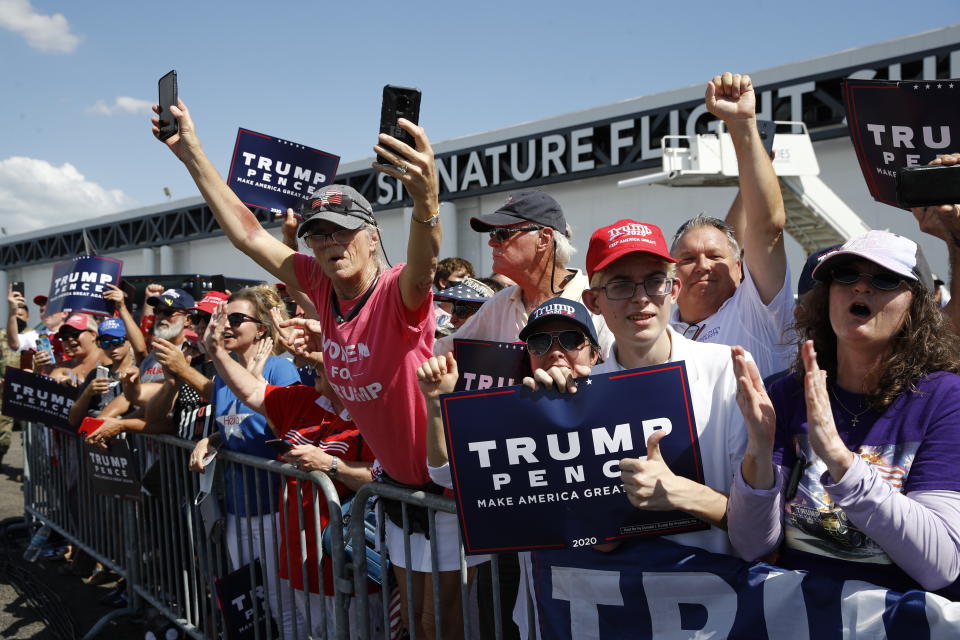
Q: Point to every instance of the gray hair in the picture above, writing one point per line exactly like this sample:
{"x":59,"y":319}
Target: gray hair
{"x":564,"y":249}
{"x":701,"y":220}
{"x":381,"y":255}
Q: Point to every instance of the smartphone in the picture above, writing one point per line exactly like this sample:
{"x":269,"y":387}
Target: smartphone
{"x":218,"y":283}
{"x":279,"y":445}
{"x":102,"y":371}
{"x":88,"y":426}
{"x":26,"y":359}
{"x":18,"y":288}
{"x":168,"y":97}
{"x":44,"y":344}
{"x":398,"y":102}
{"x":928,"y":186}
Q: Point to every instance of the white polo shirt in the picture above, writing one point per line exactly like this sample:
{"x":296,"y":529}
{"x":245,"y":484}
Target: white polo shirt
{"x":743,"y":319}
{"x":502,"y":317}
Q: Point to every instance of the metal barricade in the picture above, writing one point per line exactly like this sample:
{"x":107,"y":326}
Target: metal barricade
{"x":163,"y":548}
{"x":500,"y":625}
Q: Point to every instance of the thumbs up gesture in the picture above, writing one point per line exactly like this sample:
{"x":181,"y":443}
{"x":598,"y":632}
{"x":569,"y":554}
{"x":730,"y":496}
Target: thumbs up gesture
{"x":649,"y":483}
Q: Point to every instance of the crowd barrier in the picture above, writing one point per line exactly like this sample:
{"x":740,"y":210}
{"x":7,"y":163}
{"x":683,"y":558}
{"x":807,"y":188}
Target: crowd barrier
{"x":173,"y":551}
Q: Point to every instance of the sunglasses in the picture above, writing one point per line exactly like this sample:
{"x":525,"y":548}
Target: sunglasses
{"x":626,"y":289}
{"x":502,"y":234}
{"x":66,"y":334}
{"x":884,"y":280}
{"x":569,"y":340}
{"x":465,"y":309}
{"x":236,"y":319}
{"x":168,"y":312}
{"x":110,"y":342}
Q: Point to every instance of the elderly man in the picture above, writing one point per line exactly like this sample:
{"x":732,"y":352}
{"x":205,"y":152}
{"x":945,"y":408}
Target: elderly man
{"x":725,"y":299}
{"x":530,"y":239}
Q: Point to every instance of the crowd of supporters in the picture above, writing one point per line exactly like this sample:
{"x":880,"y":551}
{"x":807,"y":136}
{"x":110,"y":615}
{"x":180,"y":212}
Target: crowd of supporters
{"x":345,"y":360}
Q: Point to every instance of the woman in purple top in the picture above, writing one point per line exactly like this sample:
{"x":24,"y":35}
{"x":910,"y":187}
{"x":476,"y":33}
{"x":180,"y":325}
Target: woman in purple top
{"x":853,"y":465}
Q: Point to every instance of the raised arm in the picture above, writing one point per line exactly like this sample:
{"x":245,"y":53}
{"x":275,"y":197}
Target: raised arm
{"x":731,"y":98}
{"x":436,"y":376}
{"x":14,"y":299}
{"x":238,"y":223}
{"x":943,"y":221}
{"x":417,"y":170}
{"x":134,"y":334}
{"x":249,"y":388}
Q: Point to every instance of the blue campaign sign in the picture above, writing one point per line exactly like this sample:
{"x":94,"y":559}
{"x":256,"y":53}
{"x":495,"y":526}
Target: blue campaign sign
{"x":654,"y":588}
{"x":897,"y":124}
{"x":534,"y":470}
{"x":275,"y":174}
{"x":485,"y":364}
{"x":78,"y":285}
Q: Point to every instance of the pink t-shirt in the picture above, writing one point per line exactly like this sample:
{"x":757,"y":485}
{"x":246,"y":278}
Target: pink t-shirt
{"x":371,"y":363}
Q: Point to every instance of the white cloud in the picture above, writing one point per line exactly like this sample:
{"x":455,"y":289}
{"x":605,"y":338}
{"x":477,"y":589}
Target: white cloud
{"x":122,"y":104}
{"x":47,"y":33}
{"x":35,"y":194}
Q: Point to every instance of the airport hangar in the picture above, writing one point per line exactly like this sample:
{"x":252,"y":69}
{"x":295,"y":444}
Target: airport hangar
{"x":579,"y":158}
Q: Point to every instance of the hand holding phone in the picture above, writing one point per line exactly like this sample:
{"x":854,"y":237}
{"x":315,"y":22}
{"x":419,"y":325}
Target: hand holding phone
{"x":398,"y":102}
{"x":168,"y":97}
{"x":279,"y":445}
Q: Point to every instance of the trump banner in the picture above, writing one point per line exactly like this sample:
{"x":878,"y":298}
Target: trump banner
{"x":654,"y":589}
{"x":35,"y":398}
{"x":274,"y":174}
{"x":900,"y":124}
{"x":547,"y":463}
{"x":77,"y":285}
{"x":113,"y":471}
{"x":485,"y":364}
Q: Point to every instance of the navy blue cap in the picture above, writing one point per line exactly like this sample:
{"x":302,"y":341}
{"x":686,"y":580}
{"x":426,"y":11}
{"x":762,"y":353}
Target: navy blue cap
{"x":467,"y":290}
{"x":173,"y":298}
{"x":523,"y":206}
{"x":806,"y":281}
{"x":561,"y":309}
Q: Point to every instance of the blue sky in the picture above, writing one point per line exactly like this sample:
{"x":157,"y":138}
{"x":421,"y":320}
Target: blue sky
{"x":78,"y":76}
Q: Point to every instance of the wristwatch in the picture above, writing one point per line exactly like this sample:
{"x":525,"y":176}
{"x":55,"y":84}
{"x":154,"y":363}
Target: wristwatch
{"x":332,"y":471}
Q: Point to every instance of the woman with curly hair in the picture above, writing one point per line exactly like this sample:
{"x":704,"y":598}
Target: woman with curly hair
{"x":853,"y":463}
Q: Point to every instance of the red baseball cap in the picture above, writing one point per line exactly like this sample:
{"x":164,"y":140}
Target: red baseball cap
{"x":40,"y":300}
{"x":210,"y":301}
{"x":624,"y":237}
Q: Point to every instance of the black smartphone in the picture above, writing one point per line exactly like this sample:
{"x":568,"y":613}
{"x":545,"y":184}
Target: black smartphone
{"x":928,"y":186}
{"x":398,"y":102}
{"x":218,"y":283}
{"x":18,"y":287}
{"x":168,"y":97}
{"x":279,"y":445}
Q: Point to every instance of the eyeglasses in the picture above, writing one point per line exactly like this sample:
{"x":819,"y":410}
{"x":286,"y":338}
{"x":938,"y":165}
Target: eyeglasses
{"x":236,"y":319}
{"x":465,"y":309}
{"x":569,"y":340}
{"x":626,"y":289}
{"x":883,"y":280}
{"x":340,"y":236}
{"x":110,"y":342}
{"x":502,"y":234}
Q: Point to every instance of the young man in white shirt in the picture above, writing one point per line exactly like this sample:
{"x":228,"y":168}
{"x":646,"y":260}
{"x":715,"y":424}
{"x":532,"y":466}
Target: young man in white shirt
{"x":633,"y":285}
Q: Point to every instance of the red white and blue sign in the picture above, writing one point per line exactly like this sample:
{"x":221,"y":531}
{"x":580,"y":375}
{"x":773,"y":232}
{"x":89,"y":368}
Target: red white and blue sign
{"x":894,"y":125}
{"x":78,"y":285}
{"x":540,"y":470}
{"x":274,"y":174}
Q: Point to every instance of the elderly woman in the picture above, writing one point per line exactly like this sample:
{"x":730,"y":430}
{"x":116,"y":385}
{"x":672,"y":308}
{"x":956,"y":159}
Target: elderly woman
{"x":852,"y":463}
{"x":377,"y":322}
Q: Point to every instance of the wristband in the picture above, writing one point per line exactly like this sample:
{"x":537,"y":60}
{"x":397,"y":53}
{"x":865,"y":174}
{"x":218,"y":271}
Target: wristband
{"x":432,"y":221}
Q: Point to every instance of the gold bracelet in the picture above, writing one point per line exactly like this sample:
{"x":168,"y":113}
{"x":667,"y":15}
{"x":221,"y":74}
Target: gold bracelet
{"x":432,"y":221}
